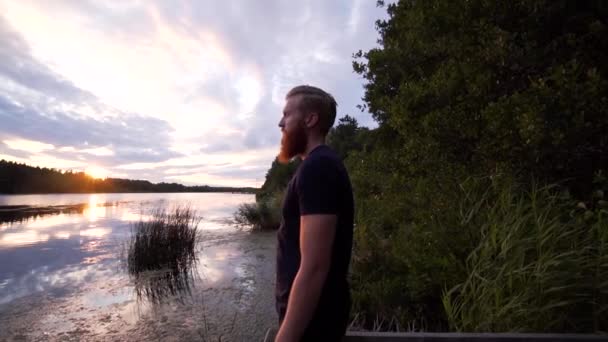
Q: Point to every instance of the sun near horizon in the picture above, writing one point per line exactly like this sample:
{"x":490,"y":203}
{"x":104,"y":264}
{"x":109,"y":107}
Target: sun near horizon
{"x":96,"y":172}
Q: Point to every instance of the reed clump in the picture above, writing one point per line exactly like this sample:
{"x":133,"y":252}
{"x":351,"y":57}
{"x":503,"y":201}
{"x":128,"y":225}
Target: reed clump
{"x":167,"y":240}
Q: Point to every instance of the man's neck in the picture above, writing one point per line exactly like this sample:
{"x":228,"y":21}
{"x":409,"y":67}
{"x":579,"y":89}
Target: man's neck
{"x":312,"y":144}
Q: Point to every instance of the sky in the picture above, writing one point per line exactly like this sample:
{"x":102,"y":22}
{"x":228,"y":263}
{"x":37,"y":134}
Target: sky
{"x":184,"y":91}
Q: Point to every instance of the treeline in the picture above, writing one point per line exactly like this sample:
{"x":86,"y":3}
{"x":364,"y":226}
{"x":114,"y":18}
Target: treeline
{"x":23,"y":179}
{"x":481,"y":197}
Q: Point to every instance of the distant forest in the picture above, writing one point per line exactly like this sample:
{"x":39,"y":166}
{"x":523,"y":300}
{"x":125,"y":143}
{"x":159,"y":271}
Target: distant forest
{"x":23,"y":179}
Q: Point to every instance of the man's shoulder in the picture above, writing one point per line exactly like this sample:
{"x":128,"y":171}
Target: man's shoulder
{"x":322,"y":156}
{"x":322,"y":163}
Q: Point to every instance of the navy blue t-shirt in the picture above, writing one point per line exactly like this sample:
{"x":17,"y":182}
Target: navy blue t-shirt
{"x":320,"y":186}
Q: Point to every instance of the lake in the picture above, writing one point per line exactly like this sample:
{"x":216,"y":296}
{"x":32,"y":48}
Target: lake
{"x":63,"y":275}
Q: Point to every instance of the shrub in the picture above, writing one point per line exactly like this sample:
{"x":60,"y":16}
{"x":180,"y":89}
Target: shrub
{"x":264,"y":214}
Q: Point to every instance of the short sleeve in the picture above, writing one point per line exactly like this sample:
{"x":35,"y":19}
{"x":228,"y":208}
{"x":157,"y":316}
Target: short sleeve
{"x":318,"y":187}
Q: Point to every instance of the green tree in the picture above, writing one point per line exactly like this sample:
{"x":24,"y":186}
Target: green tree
{"x":508,"y":89}
{"x":514,"y":86}
{"x":347,"y":136}
{"x":277,"y":178}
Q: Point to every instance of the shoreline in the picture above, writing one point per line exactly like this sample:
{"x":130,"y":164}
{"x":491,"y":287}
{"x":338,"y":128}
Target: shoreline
{"x":231,"y":297}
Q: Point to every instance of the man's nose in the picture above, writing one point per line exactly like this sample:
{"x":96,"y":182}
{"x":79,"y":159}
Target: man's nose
{"x":282,"y":123}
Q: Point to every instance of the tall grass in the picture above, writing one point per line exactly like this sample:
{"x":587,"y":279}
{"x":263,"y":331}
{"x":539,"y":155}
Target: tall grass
{"x":161,"y":252}
{"x":541,"y":264}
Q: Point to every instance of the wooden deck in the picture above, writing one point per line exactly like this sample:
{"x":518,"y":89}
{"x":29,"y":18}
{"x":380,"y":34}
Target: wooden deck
{"x":352,"y":336}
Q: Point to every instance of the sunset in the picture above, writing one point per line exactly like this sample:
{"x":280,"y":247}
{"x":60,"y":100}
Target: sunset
{"x":315,"y":170}
{"x":188,"y":93}
{"x":96,"y":172}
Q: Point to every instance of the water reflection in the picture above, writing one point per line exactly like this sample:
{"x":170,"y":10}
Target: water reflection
{"x":38,"y":217}
{"x":57,"y":245}
{"x":156,"y":287}
{"x":23,"y":213}
{"x":65,"y":275}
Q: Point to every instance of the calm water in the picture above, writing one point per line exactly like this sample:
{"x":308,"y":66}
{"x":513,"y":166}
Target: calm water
{"x":63,"y":277}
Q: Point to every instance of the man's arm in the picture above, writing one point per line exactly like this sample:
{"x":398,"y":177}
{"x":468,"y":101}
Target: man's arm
{"x":317,"y":233}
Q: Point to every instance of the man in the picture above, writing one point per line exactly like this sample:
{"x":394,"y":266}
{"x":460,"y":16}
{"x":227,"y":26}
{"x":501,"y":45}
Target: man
{"x":316,"y":233}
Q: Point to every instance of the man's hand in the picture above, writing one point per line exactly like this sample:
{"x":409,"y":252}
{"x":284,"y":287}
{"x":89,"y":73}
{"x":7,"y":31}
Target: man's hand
{"x":317,"y":234}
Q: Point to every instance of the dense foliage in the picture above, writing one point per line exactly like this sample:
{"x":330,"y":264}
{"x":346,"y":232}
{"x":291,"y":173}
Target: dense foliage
{"x":493,"y":86}
{"x":467,"y":93}
{"x":277,"y":178}
{"x":23,"y":179}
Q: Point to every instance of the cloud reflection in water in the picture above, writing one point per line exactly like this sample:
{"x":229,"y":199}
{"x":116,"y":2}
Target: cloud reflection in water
{"x":56,"y":249}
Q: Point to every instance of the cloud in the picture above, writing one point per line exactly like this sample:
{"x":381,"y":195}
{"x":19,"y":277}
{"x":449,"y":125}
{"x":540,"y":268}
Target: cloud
{"x":141,"y":87}
{"x":21,"y":68}
{"x":58,"y":119}
{"x":28,"y":145}
{"x":133,"y":138}
{"x":311,"y":42}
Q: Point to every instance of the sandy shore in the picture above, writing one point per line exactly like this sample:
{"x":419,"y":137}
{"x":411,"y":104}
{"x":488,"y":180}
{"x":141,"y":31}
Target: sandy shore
{"x":230,"y":299}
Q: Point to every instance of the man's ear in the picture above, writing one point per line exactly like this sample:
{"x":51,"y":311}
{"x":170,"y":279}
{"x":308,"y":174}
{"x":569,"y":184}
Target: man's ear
{"x":312,"y":119}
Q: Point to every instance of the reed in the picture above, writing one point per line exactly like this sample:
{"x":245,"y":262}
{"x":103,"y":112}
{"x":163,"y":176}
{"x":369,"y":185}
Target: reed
{"x":541,"y":265}
{"x":167,"y":240}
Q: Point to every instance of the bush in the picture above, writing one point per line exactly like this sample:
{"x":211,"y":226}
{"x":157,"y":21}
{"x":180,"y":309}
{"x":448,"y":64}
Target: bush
{"x":264,"y":214}
{"x":406,"y":250}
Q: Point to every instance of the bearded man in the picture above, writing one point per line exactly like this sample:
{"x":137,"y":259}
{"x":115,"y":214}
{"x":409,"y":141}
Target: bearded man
{"x":316,"y":232}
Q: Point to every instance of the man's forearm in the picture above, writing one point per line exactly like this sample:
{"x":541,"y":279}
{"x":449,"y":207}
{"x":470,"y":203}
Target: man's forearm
{"x":303,"y":301}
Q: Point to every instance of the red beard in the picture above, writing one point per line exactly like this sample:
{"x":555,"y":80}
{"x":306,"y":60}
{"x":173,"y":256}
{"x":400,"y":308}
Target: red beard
{"x":293,"y":144}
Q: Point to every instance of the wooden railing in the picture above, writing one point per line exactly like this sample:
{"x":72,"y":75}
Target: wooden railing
{"x":466,"y":337}
{"x":354,"y":336}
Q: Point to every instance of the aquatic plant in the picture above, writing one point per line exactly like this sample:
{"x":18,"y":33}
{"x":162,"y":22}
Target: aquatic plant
{"x":161,"y":253}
